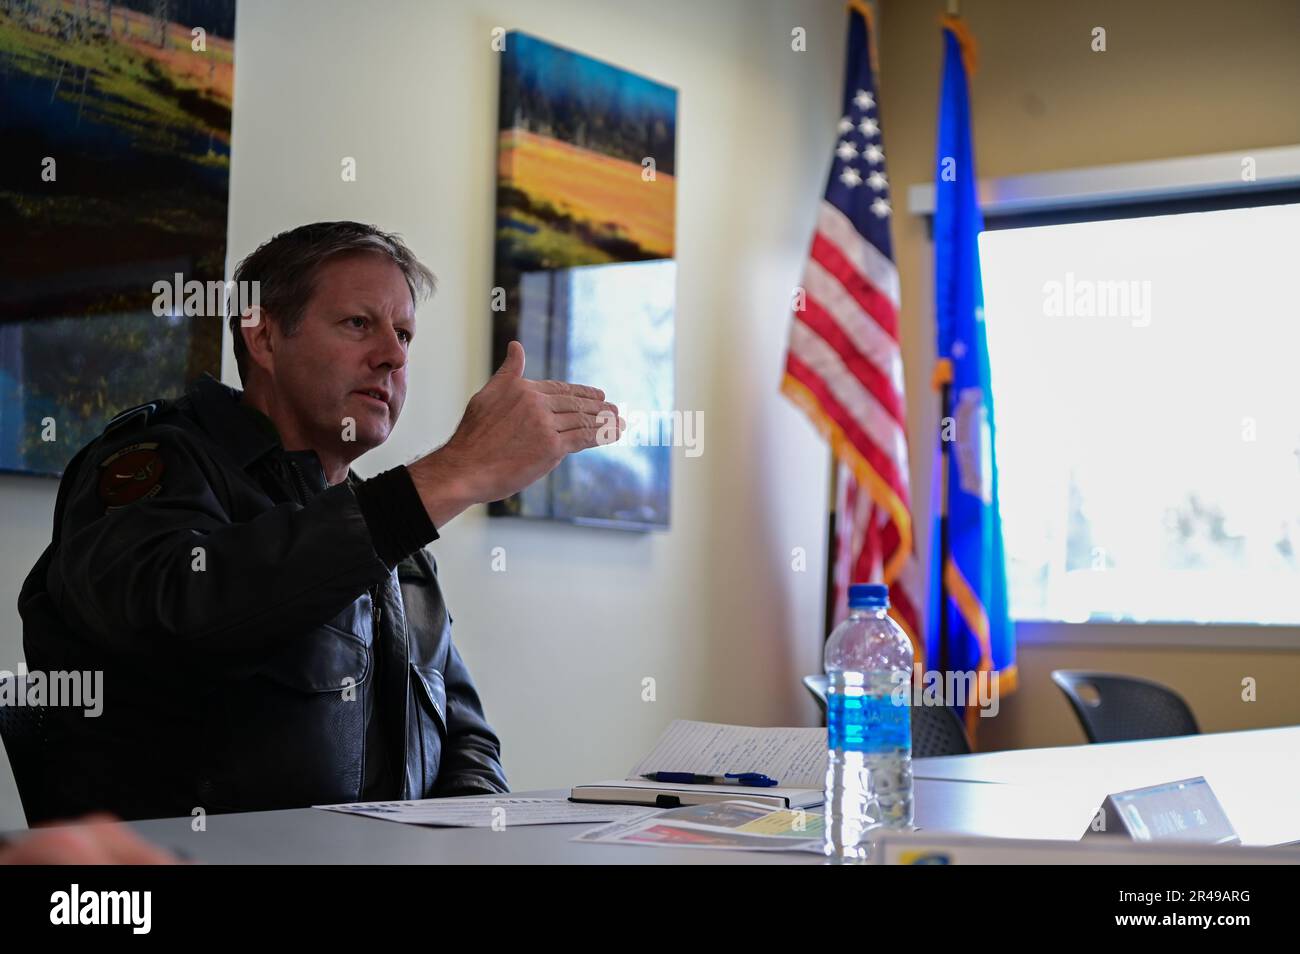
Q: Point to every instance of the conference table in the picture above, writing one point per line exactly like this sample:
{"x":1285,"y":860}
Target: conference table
{"x":1254,"y":774}
{"x":1042,"y":794}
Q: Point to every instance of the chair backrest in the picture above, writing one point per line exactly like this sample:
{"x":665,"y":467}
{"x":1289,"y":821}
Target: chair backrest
{"x":817,"y":686}
{"x":22,"y":732}
{"x":936,"y":730}
{"x":1116,"y":708}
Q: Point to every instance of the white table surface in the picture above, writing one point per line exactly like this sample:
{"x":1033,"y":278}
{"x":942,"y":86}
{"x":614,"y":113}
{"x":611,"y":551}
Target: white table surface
{"x":1255,"y":774}
{"x":1030,"y":793}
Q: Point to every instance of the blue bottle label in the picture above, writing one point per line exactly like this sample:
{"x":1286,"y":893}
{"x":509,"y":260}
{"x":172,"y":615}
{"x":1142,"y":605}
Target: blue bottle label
{"x":869,"y":724}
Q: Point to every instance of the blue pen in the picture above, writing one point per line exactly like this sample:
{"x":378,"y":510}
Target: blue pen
{"x":754,"y":779}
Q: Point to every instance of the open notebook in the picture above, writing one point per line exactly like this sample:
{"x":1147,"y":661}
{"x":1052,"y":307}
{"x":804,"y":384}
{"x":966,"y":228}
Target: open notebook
{"x":795,"y":757}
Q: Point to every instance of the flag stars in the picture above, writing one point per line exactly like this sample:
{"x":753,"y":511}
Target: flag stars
{"x":959,"y":349}
{"x":851,"y":177}
{"x":864,"y":100}
{"x":877,"y":180}
{"x":881,"y":207}
{"x":846,"y":150}
{"x":868,"y":127}
{"x":846,"y":125}
{"x":873,"y":154}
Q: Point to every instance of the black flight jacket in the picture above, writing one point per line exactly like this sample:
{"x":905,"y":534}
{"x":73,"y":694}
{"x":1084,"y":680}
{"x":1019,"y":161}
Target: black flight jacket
{"x":266,"y":641}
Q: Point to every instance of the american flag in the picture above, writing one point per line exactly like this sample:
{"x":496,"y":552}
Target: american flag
{"x":844,"y":366}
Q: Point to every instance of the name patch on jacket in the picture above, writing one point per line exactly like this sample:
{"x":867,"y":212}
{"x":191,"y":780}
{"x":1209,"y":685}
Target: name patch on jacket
{"x":131,"y":474}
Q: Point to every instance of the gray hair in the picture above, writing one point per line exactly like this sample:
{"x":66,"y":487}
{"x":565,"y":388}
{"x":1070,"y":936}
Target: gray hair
{"x":285,"y":269}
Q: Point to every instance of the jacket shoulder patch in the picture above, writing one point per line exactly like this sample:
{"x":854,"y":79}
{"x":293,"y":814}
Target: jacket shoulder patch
{"x":130,"y":474}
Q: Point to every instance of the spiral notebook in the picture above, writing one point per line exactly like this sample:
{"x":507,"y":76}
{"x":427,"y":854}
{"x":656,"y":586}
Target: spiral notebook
{"x":795,"y":757}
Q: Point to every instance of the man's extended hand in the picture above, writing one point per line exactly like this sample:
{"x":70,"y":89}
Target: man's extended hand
{"x":514,"y":432}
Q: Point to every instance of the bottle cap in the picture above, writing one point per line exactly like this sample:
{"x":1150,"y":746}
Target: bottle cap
{"x":868,"y":596}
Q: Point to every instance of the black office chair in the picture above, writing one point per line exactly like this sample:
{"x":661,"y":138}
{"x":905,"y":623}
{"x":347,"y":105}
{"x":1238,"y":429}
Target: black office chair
{"x":1115,"y":708}
{"x":23,"y":730}
{"x":936,"y":730}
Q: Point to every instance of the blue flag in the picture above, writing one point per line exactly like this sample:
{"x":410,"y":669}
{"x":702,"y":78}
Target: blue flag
{"x":968,"y":629}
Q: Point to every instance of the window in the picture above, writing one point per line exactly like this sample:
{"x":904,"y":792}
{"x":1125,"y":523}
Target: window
{"x":1146,"y":385}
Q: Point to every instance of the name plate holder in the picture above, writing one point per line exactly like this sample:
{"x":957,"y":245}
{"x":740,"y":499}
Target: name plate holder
{"x":1181,"y":811}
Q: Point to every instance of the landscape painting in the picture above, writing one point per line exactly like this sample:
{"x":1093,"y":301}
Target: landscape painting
{"x":585,"y":236}
{"x":114,"y":175}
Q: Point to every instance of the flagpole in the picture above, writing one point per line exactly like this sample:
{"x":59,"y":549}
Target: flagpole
{"x":945,"y":541}
{"x":828,"y":620}
{"x":832,"y":513}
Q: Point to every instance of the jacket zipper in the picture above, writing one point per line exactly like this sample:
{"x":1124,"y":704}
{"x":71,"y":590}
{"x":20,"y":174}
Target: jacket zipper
{"x":302,"y":484}
{"x":377,"y":652}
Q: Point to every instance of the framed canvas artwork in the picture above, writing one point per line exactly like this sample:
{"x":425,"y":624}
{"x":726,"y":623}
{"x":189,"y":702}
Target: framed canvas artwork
{"x":584,"y":269}
{"x":114,"y":177}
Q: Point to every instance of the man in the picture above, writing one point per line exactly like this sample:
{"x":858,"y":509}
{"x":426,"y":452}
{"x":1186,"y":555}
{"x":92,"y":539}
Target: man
{"x":270,"y":629}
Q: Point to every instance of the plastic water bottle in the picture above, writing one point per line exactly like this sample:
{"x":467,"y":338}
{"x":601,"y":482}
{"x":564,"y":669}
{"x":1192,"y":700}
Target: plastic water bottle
{"x":869,"y":734}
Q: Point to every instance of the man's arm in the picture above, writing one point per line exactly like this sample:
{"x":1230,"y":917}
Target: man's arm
{"x":172,"y":571}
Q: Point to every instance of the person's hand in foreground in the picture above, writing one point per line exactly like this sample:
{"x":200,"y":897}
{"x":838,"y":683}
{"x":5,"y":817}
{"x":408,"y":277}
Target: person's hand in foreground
{"x":93,"y":840}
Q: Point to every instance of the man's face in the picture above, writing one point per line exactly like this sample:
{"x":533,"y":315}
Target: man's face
{"x":354,"y":336}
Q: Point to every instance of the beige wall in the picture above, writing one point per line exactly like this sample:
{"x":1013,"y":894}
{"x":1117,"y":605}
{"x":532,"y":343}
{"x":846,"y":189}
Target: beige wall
{"x":1177,"y":78}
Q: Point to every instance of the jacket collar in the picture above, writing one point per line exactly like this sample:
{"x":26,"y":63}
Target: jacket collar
{"x":244,"y":430}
